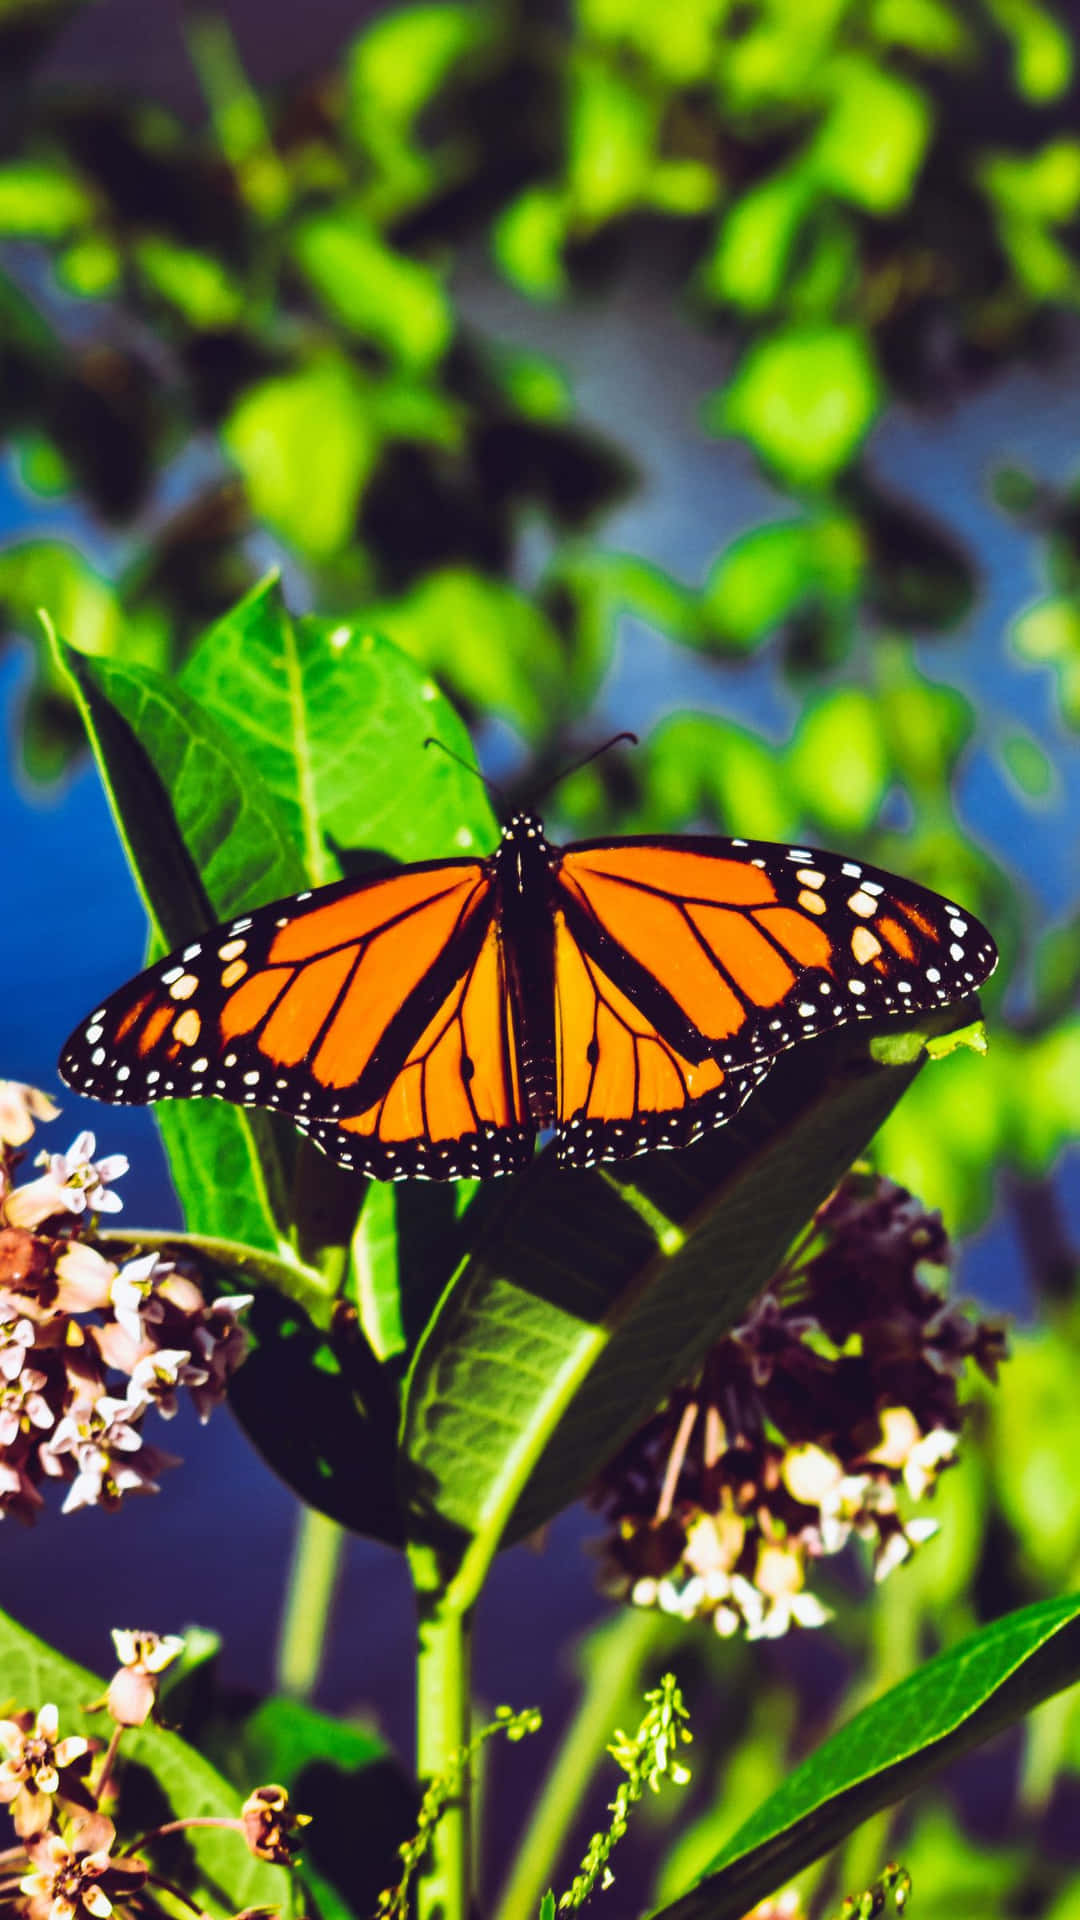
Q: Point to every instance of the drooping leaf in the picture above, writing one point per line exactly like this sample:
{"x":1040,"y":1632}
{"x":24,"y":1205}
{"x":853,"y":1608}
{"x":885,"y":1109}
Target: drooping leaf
{"x":892,"y":1747}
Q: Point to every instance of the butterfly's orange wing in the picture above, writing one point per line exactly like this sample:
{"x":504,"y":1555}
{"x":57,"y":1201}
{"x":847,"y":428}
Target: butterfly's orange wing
{"x":686,"y":964}
{"x":373,"y":1011}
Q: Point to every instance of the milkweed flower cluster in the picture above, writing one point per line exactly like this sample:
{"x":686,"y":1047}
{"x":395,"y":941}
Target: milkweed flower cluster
{"x":832,"y":1407}
{"x":88,"y":1344}
{"x":68,"y":1862}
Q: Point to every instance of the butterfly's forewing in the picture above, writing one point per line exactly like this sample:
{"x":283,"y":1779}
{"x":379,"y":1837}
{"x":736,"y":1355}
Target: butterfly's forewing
{"x":759,"y":946}
{"x":297,"y":1005}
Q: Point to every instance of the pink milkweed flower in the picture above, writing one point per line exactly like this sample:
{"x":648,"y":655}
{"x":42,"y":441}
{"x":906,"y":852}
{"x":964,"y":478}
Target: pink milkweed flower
{"x":20,"y":1106}
{"x":74,"y":1182}
{"x":134,"y":1686}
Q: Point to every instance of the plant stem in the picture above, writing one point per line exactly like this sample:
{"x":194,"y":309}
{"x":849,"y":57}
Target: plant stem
{"x":443,"y":1716}
{"x":309,"y":1598}
{"x":610,"y":1678}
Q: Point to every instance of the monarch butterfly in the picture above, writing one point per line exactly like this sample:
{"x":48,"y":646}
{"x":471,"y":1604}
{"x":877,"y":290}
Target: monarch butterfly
{"x":430,"y":1021}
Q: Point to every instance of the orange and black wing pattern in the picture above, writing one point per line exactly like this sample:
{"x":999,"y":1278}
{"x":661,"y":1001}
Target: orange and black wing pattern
{"x":373,"y":1011}
{"x":686,"y":964}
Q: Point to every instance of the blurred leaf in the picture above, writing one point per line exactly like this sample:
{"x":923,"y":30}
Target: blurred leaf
{"x":90,"y":266}
{"x":305,"y":443}
{"x":1027,"y":764}
{"x":398,"y":63}
{"x":198,"y":286}
{"x":894,"y":1745}
{"x":749,"y":261}
{"x":1034,"y":1437}
{"x":837,"y":761}
{"x":40,"y":202}
{"x":535,"y":385}
{"x":80,"y":602}
{"x":956,"y":1874}
{"x":528,"y":239}
{"x":1043,"y":185}
{"x":767,"y":575}
{"x":805,"y":398}
{"x":157,"y":1765}
{"x":487,"y":641}
{"x":682,"y":187}
{"x":1042,"y":51}
{"x":1049,"y":635}
{"x":612,"y":142}
{"x":775,"y":60}
{"x":712,"y":772}
{"x":374,"y":292}
{"x":871,"y":144}
{"x":679,"y":42}
{"x":931,"y":28}
{"x":41,"y":468}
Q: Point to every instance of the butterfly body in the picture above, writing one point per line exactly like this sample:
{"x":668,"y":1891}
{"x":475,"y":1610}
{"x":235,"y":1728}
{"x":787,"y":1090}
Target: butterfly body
{"x":629,"y":994}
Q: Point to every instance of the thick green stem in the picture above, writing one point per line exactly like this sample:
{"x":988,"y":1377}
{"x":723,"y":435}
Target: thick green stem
{"x":308,"y":1601}
{"x":611,"y":1678}
{"x":443,"y":1729}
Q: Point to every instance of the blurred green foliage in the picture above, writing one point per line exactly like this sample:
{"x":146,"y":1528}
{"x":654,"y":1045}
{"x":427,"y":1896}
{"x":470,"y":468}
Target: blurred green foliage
{"x":866,"y":204}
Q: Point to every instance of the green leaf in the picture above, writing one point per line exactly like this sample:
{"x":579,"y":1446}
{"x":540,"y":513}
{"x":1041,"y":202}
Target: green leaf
{"x":1049,"y":635}
{"x":612,"y":143}
{"x":40,"y":202}
{"x":154,"y":1764}
{"x":891,"y":1747}
{"x":204,"y":840}
{"x":749,"y":261}
{"x":1042,"y":49}
{"x":927,"y":27}
{"x":306,"y":443}
{"x":703,"y":767}
{"x":396,"y":66}
{"x":1027,"y":764}
{"x":772,"y":572}
{"x":334,"y":717}
{"x":200,"y":287}
{"x":875,"y":134}
{"x":838,"y":761}
{"x":376,"y":293}
{"x":489,"y":643}
{"x":589,"y":1296}
{"x":1039,"y":186}
{"x":528,"y":240}
{"x":805,"y":398}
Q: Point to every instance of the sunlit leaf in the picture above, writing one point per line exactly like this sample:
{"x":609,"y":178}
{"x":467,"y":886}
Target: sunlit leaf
{"x":40,"y":202}
{"x":1049,"y":635}
{"x":931,"y":28}
{"x":1042,"y":50}
{"x":678,"y":42}
{"x":486,"y":640}
{"x":1034,"y":1436}
{"x":399,"y":61}
{"x":805,"y":398}
{"x":195,"y":283}
{"x":1044,"y":185}
{"x":710,"y":772}
{"x":305,"y":443}
{"x":749,"y":260}
{"x":871,"y":145}
{"x":838,"y":761}
{"x":528,"y":239}
{"x":377,"y":293}
{"x":612,"y":142}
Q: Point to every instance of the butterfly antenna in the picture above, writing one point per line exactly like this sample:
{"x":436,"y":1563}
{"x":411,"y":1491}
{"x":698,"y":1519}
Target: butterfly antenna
{"x":491,"y":785}
{"x":616,"y":740}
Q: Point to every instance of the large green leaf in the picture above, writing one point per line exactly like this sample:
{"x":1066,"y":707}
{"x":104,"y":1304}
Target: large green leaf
{"x":205,"y":839}
{"x":589,"y":1297}
{"x":891,"y":1747}
{"x":215,"y":1864}
{"x":335,"y":718}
